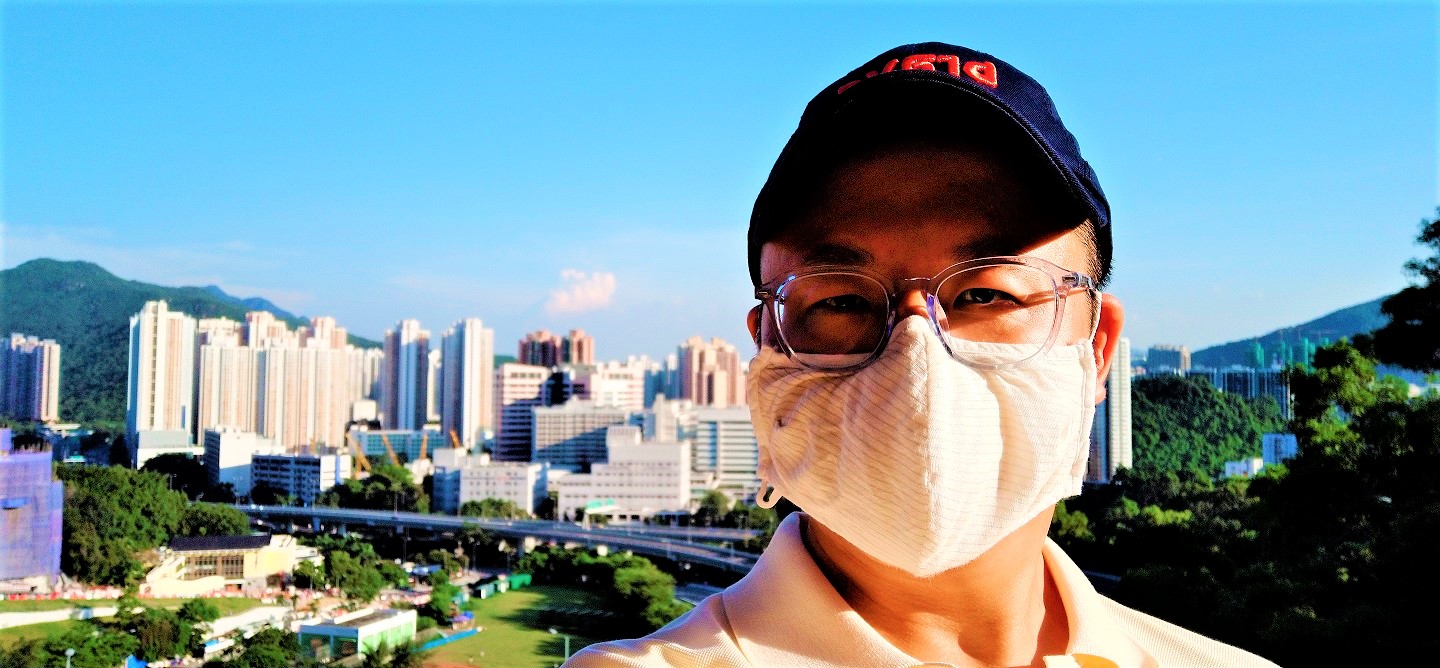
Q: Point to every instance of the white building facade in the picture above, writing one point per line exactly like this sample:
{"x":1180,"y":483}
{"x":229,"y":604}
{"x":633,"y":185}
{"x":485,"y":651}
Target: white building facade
{"x":639,"y":479}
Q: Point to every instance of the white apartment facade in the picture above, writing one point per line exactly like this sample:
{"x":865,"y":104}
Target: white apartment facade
{"x":572,"y":435}
{"x":229,"y":453}
{"x":724,"y":444}
{"x":468,"y":371}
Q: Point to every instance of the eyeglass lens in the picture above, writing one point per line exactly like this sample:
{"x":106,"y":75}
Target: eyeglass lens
{"x":842,"y":314}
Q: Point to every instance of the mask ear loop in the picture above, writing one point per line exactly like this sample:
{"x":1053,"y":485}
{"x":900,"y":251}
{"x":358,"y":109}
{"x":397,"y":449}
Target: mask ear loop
{"x":767,"y":496}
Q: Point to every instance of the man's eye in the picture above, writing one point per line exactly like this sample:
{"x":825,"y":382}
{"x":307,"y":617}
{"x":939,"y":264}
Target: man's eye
{"x":981,"y":296}
{"x":844,"y":303}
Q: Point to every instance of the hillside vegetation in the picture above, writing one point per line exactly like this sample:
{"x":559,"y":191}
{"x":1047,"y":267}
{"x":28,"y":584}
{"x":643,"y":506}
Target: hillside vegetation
{"x":87,"y":310}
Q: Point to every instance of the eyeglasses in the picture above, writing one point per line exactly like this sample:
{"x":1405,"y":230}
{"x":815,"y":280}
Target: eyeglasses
{"x":991,"y":313}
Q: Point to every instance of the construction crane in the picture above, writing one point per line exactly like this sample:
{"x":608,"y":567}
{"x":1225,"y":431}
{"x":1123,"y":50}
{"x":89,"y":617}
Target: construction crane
{"x":361,"y":461}
{"x":389,"y":450}
{"x":424,"y":438}
{"x":455,"y":438}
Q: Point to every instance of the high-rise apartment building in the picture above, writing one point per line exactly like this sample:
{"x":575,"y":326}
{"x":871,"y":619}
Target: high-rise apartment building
{"x":1110,"y":433}
{"x":296,"y":387}
{"x":543,"y":348}
{"x":403,"y":386}
{"x":1173,"y":358}
{"x":1250,"y":383}
{"x":468,"y":371}
{"x":539,"y":348}
{"x":577,"y":348}
{"x":572,"y":435}
{"x":160,"y":390}
{"x":711,"y":373}
{"x":519,"y":388}
{"x":30,"y":379}
{"x":434,"y":387}
{"x":619,"y":384}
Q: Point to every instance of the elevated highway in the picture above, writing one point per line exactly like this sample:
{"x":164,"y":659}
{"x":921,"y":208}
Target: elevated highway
{"x":675,"y":543}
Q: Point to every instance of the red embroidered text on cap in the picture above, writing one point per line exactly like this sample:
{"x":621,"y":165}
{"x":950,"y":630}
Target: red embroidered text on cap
{"x":980,"y":72}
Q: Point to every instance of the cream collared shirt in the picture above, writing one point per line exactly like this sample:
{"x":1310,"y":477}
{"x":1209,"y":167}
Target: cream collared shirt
{"x":786,"y":613}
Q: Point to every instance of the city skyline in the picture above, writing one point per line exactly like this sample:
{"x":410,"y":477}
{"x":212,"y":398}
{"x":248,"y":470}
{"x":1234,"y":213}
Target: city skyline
{"x":616,"y":192}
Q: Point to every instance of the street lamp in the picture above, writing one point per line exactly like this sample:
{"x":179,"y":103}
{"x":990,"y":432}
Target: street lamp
{"x":69,"y":653}
{"x":567,"y":641}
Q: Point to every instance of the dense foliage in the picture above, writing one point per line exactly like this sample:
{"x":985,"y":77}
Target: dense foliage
{"x":491,"y":508}
{"x":150,"y":634}
{"x":389,"y":487}
{"x":268,"y":648}
{"x":114,"y":513}
{"x":1334,"y":545}
{"x":1184,"y":424}
{"x":641,"y":596}
{"x":87,"y":311}
{"x":1412,"y":337}
{"x":351,"y":565}
{"x":186,"y":474}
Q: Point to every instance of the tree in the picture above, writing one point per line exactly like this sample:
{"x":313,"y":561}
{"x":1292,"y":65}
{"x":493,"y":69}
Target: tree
{"x":1184,"y":423}
{"x":358,"y":580}
{"x":1412,"y":337}
{"x":183,"y":473}
{"x":442,"y":597}
{"x":210,"y":519}
{"x":161,"y":634}
{"x":309,"y":575}
{"x":492,"y":508}
{"x":389,"y":487}
{"x":111,"y":514}
{"x":713,"y":507}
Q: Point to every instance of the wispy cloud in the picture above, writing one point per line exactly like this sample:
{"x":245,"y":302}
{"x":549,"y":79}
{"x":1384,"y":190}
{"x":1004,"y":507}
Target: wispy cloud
{"x":581,"y":292}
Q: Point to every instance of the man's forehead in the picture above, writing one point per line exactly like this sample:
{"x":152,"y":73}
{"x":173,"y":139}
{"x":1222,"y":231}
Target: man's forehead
{"x":824,"y":249}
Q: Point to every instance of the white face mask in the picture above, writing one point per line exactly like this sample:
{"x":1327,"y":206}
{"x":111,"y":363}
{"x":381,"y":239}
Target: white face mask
{"x":922,"y":462}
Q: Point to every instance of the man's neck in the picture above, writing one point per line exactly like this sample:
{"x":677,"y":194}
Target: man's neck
{"x":1002,"y":609}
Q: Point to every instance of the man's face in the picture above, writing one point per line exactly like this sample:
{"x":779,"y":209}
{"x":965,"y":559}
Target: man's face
{"x":913,"y":211}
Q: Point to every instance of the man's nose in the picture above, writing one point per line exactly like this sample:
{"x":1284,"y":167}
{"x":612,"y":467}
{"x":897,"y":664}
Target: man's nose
{"x":912,"y":302}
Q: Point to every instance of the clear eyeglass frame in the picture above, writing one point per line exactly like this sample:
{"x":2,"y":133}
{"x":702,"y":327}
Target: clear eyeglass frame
{"x":1065,"y":281}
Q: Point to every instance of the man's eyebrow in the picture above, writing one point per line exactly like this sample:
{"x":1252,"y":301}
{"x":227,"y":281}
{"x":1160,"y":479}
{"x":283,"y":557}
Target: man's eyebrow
{"x":983,"y":247}
{"x":829,"y":253}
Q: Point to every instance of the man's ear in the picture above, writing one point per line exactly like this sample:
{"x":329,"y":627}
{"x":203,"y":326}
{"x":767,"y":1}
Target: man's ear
{"x":1107,"y":340}
{"x":752,"y":321}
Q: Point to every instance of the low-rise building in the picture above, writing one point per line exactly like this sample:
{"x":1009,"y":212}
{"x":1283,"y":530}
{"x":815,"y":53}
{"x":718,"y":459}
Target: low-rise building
{"x":459,"y":478}
{"x":196,"y":565}
{"x":303,"y":477}
{"x":639,"y":480}
{"x":361,"y":632}
{"x":229,"y":454}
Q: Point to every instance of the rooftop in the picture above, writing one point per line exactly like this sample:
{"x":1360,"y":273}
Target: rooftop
{"x":217,"y":543}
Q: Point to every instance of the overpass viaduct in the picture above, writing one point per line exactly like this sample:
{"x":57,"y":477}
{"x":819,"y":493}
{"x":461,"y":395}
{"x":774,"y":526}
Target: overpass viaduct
{"x":674,"y":543}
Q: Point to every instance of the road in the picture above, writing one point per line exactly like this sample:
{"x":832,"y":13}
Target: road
{"x":676,"y":543}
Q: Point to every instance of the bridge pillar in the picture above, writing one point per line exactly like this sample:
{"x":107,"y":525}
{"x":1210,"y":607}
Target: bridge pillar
{"x":315,"y":524}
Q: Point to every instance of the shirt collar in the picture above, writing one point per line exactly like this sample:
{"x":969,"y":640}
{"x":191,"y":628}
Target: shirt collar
{"x":785,"y":612}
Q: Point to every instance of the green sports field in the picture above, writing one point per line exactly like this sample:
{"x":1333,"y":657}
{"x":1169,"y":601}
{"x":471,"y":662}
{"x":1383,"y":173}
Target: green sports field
{"x":512,"y":636}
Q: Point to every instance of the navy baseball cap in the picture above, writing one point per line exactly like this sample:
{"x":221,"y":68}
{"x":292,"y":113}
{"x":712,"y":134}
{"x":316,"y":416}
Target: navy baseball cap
{"x":936,"y":83}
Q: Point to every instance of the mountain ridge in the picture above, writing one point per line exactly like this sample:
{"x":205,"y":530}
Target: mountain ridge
{"x":87,"y":309}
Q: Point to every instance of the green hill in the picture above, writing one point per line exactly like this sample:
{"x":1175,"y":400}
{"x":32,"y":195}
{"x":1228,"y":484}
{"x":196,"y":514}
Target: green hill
{"x":1346,"y":322}
{"x":87,"y":310}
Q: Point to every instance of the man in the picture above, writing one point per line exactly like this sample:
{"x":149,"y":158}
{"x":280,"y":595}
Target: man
{"x":927,"y":253}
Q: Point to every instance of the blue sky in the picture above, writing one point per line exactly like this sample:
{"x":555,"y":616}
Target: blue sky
{"x":593,"y":165}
